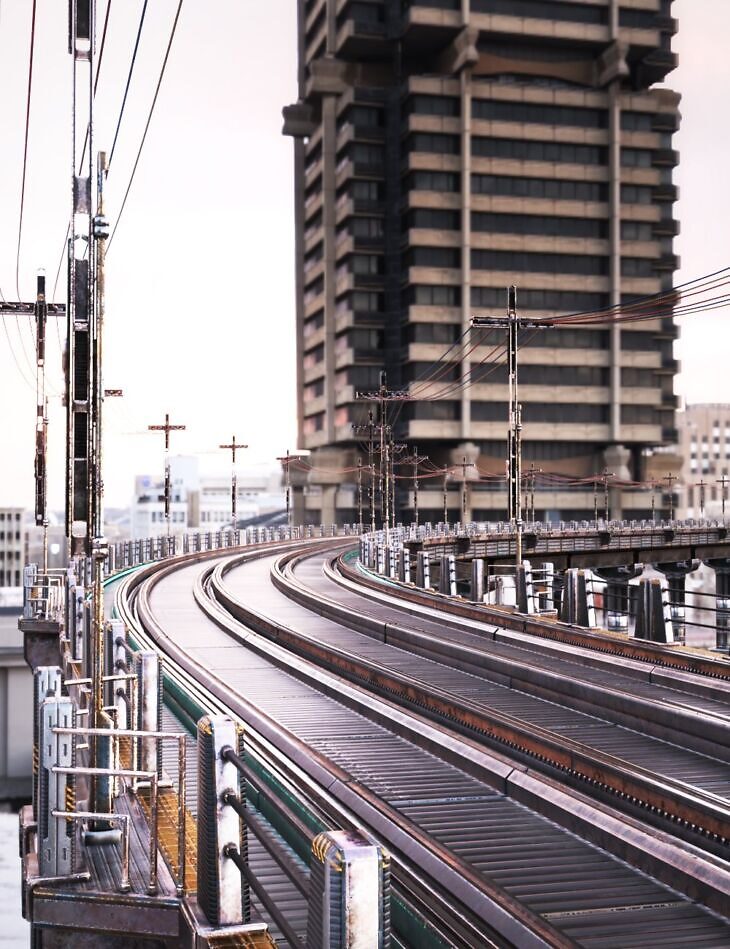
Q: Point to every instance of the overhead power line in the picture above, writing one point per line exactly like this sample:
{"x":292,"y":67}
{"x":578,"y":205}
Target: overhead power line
{"x":129,"y":80}
{"x":147,"y":125}
{"x":22,"y":187}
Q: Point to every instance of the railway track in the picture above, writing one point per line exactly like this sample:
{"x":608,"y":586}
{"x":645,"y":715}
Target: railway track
{"x":484,"y":849}
{"x":655,"y":658}
{"x":683,"y":791}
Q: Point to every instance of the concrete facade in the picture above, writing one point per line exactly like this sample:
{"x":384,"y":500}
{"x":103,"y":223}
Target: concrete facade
{"x":704,"y":447}
{"x":444,"y":151}
{"x":13,"y":546}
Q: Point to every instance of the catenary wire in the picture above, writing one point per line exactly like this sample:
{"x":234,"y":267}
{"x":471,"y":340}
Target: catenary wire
{"x":147,"y":125}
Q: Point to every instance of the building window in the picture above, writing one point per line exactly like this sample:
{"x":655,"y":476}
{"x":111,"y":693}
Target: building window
{"x":433,"y":181}
{"x":435,"y":295}
{"x":539,"y":225}
{"x":433,"y":257}
{"x":636,"y":231}
{"x":539,"y":263}
{"x":437,"y":219}
{"x":433,"y":105}
{"x":433,"y":142}
{"x":538,"y":112}
{"x":570,"y":301}
{"x":550,"y":188}
{"x":637,"y":267}
{"x":636,"y":121}
{"x":636,"y":158}
{"x":636,"y":194}
{"x":527,"y":150}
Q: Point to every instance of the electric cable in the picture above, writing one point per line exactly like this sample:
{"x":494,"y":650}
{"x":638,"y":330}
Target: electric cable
{"x":147,"y":125}
{"x":129,"y":80}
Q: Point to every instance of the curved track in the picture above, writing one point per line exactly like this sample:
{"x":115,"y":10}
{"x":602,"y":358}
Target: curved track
{"x":489,"y":848}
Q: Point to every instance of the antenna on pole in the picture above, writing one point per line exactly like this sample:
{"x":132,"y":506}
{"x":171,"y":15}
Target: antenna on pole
{"x":233,"y":446}
{"x":167,"y":428}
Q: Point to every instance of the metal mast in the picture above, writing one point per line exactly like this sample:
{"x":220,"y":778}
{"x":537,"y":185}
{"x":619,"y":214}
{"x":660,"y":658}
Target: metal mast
{"x":167,"y":428}
{"x":80,"y":309}
{"x":234,"y":479}
{"x":41,"y":426}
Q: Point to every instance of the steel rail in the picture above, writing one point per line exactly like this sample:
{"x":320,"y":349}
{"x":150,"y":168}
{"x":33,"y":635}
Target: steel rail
{"x":628,"y":784}
{"x":414,"y":869}
{"x":655,"y":654}
{"x":707,"y":729}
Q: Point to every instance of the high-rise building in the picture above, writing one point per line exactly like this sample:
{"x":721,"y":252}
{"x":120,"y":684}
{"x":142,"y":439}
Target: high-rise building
{"x":444,"y":150}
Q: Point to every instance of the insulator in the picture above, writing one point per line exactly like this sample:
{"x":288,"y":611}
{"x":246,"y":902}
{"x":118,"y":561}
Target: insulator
{"x":100,"y":226}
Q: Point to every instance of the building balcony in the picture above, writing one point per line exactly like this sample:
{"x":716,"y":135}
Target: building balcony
{"x":666,"y":193}
{"x":665,"y":157}
{"x":359,"y":38}
{"x":667,"y":263}
{"x":665,"y":227}
{"x":657,"y":64}
{"x":665,"y":122}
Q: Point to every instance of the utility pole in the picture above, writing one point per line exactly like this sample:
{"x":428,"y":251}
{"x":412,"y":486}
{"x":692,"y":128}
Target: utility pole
{"x":446,"y":496}
{"x":724,"y":482}
{"x":670,"y":479}
{"x":234,"y":480}
{"x":653,"y":501}
{"x":383,"y":396}
{"x":81,"y":309}
{"x":464,"y":465}
{"x":702,"y":484}
{"x":95,"y":519}
{"x":167,"y":428}
{"x":287,"y":460}
{"x":41,"y":424}
{"x":606,"y":474}
{"x":395,"y":449}
{"x":532,"y":472}
{"x":514,"y":440}
{"x":415,"y":459}
{"x":359,"y":494}
{"x":369,"y":430}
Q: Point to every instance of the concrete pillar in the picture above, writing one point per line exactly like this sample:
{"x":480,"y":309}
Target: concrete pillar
{"x":477,"y":580}
{"x":546,"y":586}
{"x":577,"y":606}
{"x":223,"y":893}
{"x":349,"y":892}
{"x":149,"y":709}
{"x":447,"y":580}
{"x":721,"y":566}
{"x":653,"y":616}
{"x":676,"y":574}
{"x":423,"y":570}
{"x":524,"y":591}
{"x":616,"y":596}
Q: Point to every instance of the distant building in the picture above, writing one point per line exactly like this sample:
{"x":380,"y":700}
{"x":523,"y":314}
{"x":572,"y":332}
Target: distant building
{"x":148,"y":505}
{"x":704,"y":445}
{"x":16,"y":702}
{"x":13,"y":546}
{"x":443,"y":151}
{"x":202,"y":502}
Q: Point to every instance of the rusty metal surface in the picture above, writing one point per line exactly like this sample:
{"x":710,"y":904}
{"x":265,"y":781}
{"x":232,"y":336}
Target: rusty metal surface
{"x":418,"y":784}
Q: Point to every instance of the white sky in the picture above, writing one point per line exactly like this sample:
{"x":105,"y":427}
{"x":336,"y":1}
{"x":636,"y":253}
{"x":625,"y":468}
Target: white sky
{"x":200,"y":283}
